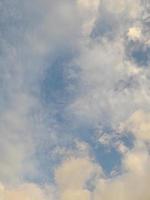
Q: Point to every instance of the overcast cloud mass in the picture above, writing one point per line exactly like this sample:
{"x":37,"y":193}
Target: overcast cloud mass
{"x":74,"y":100}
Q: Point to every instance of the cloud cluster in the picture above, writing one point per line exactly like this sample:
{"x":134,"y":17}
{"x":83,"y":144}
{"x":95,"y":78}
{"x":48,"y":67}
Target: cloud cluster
{"x":72,"y":176}
{"x":108,"y":72}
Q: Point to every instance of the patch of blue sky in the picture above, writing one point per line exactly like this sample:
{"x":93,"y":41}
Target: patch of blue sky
{"x":107,"y":158}
{"x":138,"y":52}
{"x":54,"y":87}
{"x":141,"y":56}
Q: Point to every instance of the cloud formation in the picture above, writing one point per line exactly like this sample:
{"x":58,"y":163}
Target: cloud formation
{"x":74,"y":85}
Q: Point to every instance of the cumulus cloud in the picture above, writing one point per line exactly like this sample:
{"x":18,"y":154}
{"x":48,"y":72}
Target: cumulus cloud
{"x":79,"y":169}
{"x":138,"y":124}
{"x":72,"y":176}
{"x":136,"y":163}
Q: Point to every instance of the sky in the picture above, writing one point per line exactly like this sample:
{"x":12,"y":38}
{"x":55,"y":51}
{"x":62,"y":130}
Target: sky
{"x":74,"y":99}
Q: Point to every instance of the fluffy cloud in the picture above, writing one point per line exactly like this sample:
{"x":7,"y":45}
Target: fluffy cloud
{"x":72,"y":176}
{"x":79,"y":170}
{"x":139,"y":125}
{"x":134,"y":33}
{"x":137,"y":175}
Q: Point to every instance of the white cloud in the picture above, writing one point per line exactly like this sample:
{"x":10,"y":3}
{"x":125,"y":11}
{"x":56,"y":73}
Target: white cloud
{"x":134,"y":33}
{"x":79,"y":169}
{"x":136,"y":163}
{"x":139,"y":125}
{"x":72,"y":175}
{"x":102,"y":69}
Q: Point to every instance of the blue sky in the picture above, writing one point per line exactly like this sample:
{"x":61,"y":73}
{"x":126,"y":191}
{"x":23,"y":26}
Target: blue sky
{"x":74,"y":106}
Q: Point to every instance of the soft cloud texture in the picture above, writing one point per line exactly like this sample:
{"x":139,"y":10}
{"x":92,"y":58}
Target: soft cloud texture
{"x":138,"y":124}
{"x":74,"y":85}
